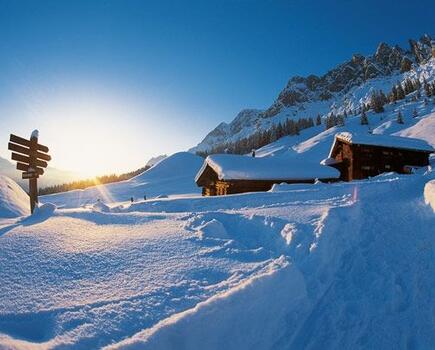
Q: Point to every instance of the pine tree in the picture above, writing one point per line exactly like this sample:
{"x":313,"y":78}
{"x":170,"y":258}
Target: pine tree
{"x":364,"y":120}
{"x":310,"y":122}
{"x":400,"y":92}
{"x":400,"y":118}
{"x":318,"y":119}
{"x":377,"y":102}
{"x":340,"y":120}
{"x":393,"y":94}
{"x":427,"y":88}
{"x":382,"y":97}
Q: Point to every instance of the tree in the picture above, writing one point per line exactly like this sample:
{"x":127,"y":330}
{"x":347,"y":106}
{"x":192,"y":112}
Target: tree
{"x":400,"y":92}
{"x":318,"y":119}
{"x":400,"y":118}
{"x":427,"y":88}
{"x":340,"y":120}
{"x":377,"y":102}
{"x":415,"y":113}
{"x":364,"y":120}
{"x":393,"y":94}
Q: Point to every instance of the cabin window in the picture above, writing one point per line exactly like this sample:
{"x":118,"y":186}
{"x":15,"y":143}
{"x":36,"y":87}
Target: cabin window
{"x":387,"y":166}
{"x":387,"y":153}
{"x":367,"y":167}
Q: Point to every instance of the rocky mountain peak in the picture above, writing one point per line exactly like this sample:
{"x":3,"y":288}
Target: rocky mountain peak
{"x":302,"y":91}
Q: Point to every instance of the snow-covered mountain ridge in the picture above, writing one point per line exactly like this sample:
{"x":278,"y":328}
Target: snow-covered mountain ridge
{"x":343,"y":88}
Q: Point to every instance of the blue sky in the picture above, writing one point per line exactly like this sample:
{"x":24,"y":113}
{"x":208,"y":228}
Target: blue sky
{"x":112,"y":83}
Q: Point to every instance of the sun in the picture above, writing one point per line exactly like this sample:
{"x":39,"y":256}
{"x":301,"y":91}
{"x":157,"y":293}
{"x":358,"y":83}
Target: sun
{"x":92,"y":137}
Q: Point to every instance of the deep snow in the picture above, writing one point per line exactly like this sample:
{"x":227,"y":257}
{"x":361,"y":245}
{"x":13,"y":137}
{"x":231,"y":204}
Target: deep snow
{"x":173,"y":175}
{"x":311,"y":266}
{"x":14,"y":201}
{"x":235,"y":167}
{"x":321,"y":266}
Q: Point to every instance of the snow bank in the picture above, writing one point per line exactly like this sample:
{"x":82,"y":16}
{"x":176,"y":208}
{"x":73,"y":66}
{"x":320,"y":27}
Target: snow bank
{"x":429,"y":194}
{"x":14,"y":201}
{"x":249,"y":316}
{"x":212,"y":229}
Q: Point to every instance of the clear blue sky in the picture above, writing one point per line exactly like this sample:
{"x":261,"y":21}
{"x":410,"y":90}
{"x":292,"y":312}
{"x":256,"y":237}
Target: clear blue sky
{"x":132,"y":79}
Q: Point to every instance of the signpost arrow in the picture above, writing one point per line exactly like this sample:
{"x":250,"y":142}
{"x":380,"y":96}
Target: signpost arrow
{"x":31,"y":158}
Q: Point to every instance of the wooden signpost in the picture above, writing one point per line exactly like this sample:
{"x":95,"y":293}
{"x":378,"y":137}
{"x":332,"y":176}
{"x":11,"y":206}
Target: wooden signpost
{"x":31,"y":158}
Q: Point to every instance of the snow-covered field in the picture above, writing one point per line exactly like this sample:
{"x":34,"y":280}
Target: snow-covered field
{"x":322,"y":266}
{"x":303,"y":266}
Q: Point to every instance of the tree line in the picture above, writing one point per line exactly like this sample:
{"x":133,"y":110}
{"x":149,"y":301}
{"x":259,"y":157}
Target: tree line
{"x":262,"y":137}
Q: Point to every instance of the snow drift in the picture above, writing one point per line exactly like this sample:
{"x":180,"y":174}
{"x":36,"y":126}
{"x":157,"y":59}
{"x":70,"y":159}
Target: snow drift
{"x":14,"y":201}
{"x":429,"y":194}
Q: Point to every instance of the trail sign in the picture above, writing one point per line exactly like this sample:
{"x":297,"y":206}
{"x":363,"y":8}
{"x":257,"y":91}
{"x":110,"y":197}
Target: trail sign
{"x":31,"y":158}
{"x":30,"y":175}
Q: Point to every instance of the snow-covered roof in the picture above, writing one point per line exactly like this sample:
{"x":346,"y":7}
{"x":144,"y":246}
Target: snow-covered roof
{"x":236,"y":167}
{"x":383,"y":141}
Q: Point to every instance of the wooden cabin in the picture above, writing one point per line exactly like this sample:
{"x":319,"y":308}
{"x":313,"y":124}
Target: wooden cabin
{"x":362,"y":156}
{"x":223,"y":174}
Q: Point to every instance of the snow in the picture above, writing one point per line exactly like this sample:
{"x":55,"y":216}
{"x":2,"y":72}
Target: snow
{"x":429,"y":194}
{"x":385,"y":141}
{"x":424,"y":129}
{"x":154,"y":160}
{"x":316,"y":266}
{"x":235,"y":167}
{"x":35,"y":134}
{"x":173,"y":176}
{"x":309,"y":266}
{"x":14,"y":201}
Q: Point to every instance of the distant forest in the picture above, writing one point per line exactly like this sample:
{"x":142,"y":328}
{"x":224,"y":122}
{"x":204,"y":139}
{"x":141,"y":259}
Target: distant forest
{"x":82,"y":184}
{"x":291,"y":127}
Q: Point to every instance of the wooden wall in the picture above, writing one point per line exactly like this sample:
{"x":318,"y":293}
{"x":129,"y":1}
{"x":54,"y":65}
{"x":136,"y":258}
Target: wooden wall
{"x":362,"y":161}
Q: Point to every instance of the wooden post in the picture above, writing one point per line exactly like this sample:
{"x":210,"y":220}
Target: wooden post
{"x":31,"y":158}
{"x":33,"y":182}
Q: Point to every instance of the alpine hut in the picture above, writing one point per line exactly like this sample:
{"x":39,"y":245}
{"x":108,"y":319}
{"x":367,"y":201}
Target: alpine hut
{"x":359,"y":156}
{"x":223,"y":174}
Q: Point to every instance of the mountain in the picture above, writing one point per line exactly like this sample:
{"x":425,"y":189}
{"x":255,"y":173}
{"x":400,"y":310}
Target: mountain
{"x":52,"y":176}
{"x":154,"y":160}
{"x":344,"y":87}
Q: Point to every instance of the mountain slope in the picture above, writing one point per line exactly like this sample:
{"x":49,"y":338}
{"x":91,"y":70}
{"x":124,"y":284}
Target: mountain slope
{"x":52,"y":176}
{"x":173,"y":175}
{"x":341,"y":89}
